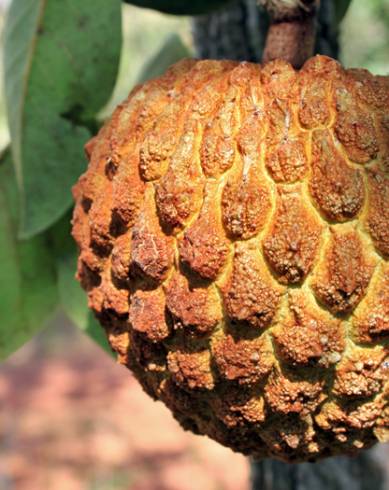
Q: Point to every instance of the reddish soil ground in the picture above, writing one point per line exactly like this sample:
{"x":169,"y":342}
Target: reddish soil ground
{"x":71,"y":419}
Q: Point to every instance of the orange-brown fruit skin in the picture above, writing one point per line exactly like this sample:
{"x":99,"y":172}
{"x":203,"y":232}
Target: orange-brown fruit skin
{"x":233,"y":227}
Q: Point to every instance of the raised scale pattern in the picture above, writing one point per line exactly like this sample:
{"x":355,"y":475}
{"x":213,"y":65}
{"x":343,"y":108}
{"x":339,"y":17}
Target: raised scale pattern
{"x":233,"y":227}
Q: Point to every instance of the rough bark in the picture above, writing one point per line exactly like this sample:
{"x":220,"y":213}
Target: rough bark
{"x":239,"y":32}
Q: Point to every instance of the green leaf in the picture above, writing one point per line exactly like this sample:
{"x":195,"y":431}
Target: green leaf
{"x":28,"y":291}
{"x":60,"y":63}
{"x":341,"y":7}
{"x":71,"y":296}
{"x":172,"y":50}
{"x":181,"y":7}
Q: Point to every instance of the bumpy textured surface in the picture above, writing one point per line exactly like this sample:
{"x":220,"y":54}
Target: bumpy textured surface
{"x":233,"y":227}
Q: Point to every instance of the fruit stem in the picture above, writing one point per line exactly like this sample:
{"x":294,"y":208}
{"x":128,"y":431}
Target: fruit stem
{"x":292,"y":31}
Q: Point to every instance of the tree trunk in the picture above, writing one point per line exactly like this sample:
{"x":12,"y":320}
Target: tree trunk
{"x":239,"y":32}
{"x":364,"y":472}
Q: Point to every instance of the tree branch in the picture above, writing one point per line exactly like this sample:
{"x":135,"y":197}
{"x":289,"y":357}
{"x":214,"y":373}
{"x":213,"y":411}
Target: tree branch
{"x":287,"y":10}
{"x":239,"y":31}
{"x":292,"y":32}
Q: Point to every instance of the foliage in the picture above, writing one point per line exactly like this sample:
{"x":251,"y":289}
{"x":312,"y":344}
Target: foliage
{"x":369,"y":50}
{"x":28,"y":286}
{"x":60,"y":63}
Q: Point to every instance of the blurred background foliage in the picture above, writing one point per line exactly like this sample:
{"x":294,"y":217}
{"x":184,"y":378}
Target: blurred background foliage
{"x":365,"y":36}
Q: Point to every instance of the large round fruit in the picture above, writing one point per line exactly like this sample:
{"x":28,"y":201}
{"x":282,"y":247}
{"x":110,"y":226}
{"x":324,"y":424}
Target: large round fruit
{"x":233,"y":227}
